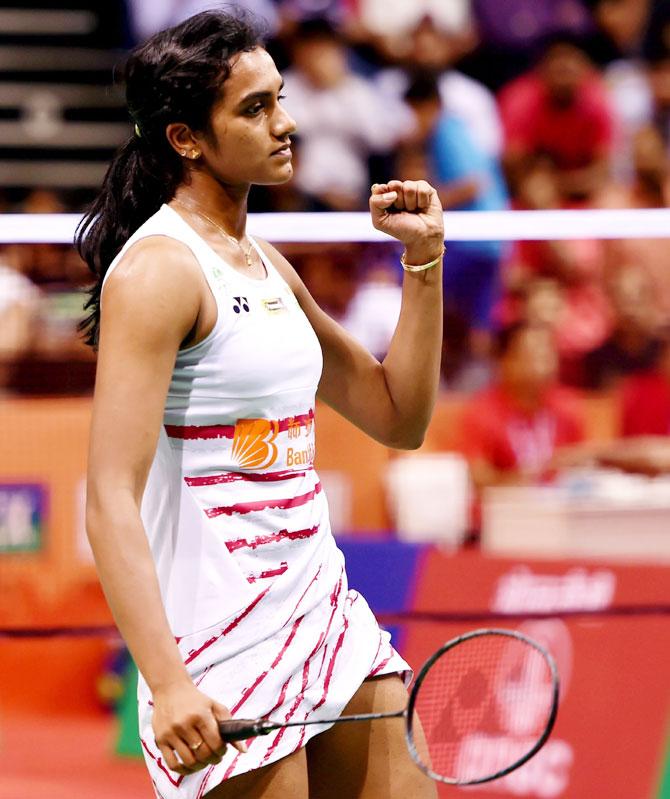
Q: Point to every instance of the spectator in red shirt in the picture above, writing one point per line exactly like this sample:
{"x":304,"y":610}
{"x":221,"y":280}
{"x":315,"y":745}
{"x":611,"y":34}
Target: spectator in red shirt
{"x":514,"y":431}
{"x":645,"y":399}
{"x":559,"y":111}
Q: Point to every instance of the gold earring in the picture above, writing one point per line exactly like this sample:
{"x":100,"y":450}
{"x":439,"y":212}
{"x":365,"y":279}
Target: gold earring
{"x":195,"y":154}
{"x":183,"y":152}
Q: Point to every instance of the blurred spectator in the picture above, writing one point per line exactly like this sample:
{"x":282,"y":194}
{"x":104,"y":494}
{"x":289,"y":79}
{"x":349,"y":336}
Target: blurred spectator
{"x":358,"y":286}
{"x":335,"y":11}
{"x":400,"y":18}
{"x":559,"y":112}
{"x":280,"y":16}
{"x":577,"y":269}
{"x":509,"y":31}
{"x":461,"y":370}
{"x":43,"y":263}
{"x":425,"y":34}
{"x":634,"y":44}
{"x":659,"y":81}
{"x":650,"y":188}
{"x":147,"y":17}
{"x":343,"y":119}
{"x":648,"y":455}
{"x":645,"y":399}
{"x":19,"y":306}
{"x":621,"y":28}
{"x":513,"y":432}
{"x":634,"y":344}
{"x":433,"y":47}
{"x":56,"y":361}
{"x":465,"y":98}
{"x":372,"y":314}
{"x":468,"y":179}
{"x":656,"y":38}
{"x":630,"y":96}
{"x":544,"y":304}
{"x":578,"y":314}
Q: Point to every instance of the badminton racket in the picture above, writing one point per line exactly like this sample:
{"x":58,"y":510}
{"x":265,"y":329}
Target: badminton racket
{"x":481,"y":706}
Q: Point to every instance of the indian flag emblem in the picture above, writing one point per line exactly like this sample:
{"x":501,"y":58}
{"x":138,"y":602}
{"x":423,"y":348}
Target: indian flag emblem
{"x":274,"y":305}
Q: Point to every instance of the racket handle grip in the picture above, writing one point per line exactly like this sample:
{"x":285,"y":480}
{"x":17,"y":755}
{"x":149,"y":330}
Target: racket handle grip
{"x":240,"y":729}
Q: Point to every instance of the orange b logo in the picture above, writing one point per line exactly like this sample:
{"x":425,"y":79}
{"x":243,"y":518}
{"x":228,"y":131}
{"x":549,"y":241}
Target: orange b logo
{"x":253,"y":446}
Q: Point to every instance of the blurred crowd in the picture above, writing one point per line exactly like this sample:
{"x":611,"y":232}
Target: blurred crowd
{"x":522,"y":104}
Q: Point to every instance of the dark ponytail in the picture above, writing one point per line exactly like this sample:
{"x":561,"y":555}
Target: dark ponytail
{"x":175,"y":76}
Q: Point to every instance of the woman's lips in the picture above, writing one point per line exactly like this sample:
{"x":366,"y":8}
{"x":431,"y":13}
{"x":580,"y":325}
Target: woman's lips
{"x":283,"y":152}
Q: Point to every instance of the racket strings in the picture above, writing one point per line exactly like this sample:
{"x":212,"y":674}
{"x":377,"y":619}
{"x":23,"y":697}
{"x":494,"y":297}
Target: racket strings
{"x":482,"y":706}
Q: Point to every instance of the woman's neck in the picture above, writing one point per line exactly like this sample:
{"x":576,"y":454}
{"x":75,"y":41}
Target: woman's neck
{"x":224,"y":204}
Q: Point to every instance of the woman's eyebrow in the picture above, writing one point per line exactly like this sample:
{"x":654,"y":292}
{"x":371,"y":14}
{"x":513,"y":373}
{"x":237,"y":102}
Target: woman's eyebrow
{"x":260,"y":95}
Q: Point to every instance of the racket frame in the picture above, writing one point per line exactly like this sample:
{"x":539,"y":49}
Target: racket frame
{"x":409,"y":711}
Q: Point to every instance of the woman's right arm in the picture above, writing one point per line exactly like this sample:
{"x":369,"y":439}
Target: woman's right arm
{"x":150,"y":303}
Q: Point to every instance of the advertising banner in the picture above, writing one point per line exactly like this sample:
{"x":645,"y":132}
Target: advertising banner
{"x":609,"y":739}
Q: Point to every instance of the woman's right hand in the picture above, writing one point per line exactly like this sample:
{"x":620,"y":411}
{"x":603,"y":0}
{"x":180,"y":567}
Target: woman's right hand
{"x":186,"y":729}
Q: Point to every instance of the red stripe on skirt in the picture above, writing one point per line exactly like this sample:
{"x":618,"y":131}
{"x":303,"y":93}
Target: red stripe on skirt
{"x":281,"y":569}
{"x":294,"y":707}
{"x":298,"y":700}
{"x":233,"y":477}
{"x":282,"y":697}
{"x":160,"y":765}
{"x":331,"y":662}
{"x":311,"y":583}
{"x":271,"y":538}
{"x":193,"y":654}
{"x":380,"y":666}
{"x":263,"y":504}
{"x":323,"y":660}
{"x":202,"y":676}
{"x":249,"y":691}
{"x":231,"y":767}
{"x":203,"y":784}
{"x":379,"y":646}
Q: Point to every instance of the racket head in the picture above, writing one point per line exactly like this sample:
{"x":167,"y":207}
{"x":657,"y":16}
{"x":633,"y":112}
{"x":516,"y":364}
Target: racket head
{"x":498,"y":678}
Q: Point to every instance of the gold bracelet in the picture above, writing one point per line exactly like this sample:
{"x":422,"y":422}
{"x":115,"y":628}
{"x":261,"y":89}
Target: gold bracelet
{"x":420,"y":267}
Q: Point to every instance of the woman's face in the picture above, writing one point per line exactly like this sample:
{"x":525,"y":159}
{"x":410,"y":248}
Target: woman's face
{"x":249,"y":131}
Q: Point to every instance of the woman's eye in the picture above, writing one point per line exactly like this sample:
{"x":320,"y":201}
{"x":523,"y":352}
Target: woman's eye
{"x":281,"y":96}
{"x":255,"y":109}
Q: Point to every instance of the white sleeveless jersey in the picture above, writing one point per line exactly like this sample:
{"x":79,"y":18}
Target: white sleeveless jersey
{"x":251,"y":578}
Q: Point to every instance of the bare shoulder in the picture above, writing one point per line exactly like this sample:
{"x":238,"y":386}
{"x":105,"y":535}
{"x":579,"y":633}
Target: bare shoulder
{"x":154,"y":263}
{"x":157,"y":273}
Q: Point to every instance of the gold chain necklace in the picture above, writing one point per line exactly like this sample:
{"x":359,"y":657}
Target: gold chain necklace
{"x":246,"y":253}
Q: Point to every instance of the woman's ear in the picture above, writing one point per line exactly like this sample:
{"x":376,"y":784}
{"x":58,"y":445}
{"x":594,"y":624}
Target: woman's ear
{"x":182,"y":140}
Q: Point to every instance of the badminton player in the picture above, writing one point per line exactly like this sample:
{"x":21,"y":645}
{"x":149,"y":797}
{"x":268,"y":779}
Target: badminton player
{"x":208,"y":522}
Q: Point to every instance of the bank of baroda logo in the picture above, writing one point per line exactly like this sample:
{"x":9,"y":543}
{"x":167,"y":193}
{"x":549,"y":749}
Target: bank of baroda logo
{"x":253,"y":443}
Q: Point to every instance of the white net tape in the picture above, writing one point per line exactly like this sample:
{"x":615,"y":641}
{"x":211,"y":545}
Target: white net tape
{"x":351,"y":227}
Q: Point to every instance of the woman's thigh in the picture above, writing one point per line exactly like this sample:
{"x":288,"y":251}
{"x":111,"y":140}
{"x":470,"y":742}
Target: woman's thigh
{"x":284,"y":778}
{"x":367,"y":760}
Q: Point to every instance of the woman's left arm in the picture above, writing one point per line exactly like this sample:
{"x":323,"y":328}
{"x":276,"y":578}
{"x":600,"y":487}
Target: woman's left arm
{"x":391,"y":401}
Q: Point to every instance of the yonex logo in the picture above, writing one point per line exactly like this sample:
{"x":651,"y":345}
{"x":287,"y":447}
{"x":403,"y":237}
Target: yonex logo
{"x":240,"y":304}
